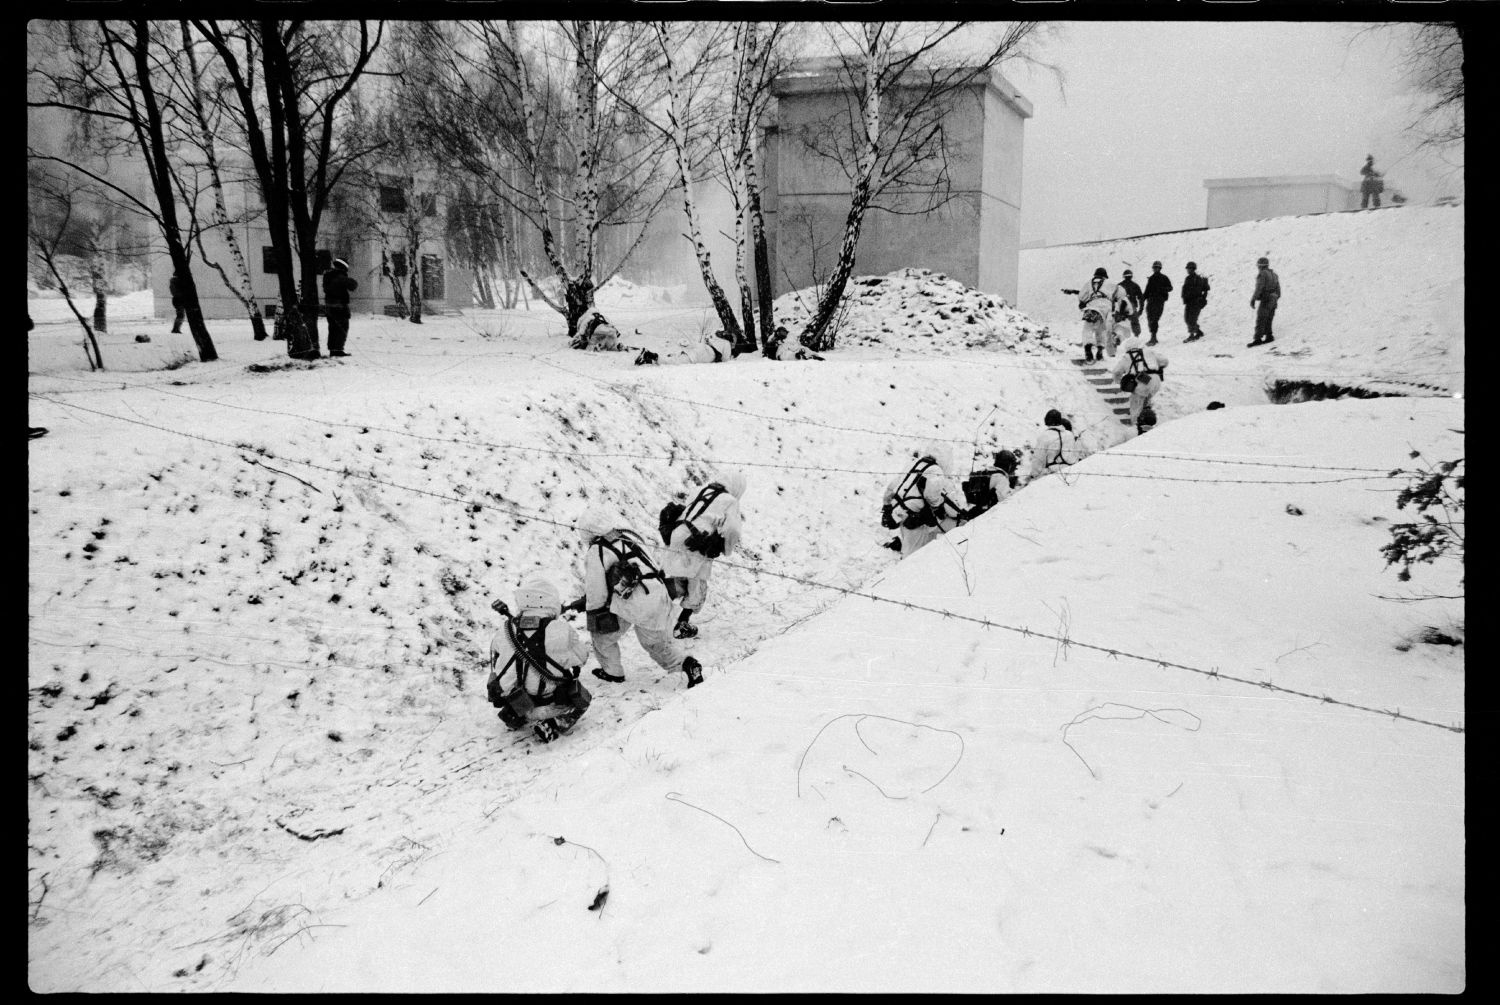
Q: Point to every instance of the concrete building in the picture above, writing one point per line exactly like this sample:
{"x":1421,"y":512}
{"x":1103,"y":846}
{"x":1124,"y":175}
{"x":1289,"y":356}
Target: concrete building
{"x":1235,"y":200}
{"x":348,"y":235}
{"x":973,"y":237}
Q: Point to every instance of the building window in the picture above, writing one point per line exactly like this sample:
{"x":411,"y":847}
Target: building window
{"x":268,"y":260}
{"x":392,"y":199}
{"x":398,"y":264}
{"x":429,"y":203}
{"x":432,"y":277}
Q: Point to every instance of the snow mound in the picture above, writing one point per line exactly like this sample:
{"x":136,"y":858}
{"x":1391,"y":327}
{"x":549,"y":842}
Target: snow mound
{"x":621,"y":292}
{"x":924,"y":306}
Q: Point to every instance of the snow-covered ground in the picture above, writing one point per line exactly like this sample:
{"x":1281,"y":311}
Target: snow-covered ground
{"x":1367,"y":298}
{"x":260,"y":757}
{"x":49,"y":306}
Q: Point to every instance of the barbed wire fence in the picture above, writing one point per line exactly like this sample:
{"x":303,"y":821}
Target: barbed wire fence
{"x":1113,"y":652}
{"x":475,"y":443}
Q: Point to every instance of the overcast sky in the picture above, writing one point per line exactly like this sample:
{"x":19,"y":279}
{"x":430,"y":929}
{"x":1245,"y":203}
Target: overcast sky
{"x":1154,"y":108}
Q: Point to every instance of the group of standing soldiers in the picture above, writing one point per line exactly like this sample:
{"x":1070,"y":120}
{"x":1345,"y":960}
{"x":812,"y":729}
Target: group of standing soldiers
{"x":1109,"y":309}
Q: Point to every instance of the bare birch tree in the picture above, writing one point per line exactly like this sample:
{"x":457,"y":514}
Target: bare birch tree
{"x":44,"y":230}
{"x":541,"y":116}
{"x":677,"y":112}
{"x":203,"y":125}
{"x":108,"y":79}
{"x":307,"y":69}
{"x":904,"y":78}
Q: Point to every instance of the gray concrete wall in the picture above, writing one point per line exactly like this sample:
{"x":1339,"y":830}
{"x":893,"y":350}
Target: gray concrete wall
{"x":973,"y":237}
{"x":1000,"y":233}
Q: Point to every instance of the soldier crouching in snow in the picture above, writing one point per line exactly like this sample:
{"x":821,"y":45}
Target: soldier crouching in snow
{"x":596,"y":334}
{"x":534,"y":662}
{"x":777,"y":349}
{"x":924,"y":501}
{"x":624,"y":588}
{"x":708,"y":526}
{"x":715,"y":348}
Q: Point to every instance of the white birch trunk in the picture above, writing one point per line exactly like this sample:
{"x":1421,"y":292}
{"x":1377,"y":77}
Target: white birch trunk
{"x":586,"y":139}
{"x":815,"y":335}
{"x":677,"y":119}
{"x":245,"y":294}
{"x":533,"y":158}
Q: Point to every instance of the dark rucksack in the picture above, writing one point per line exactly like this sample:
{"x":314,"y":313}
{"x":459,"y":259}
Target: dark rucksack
{"x":633,"y":568}
{"x":671,"y":516}
{"x":709,"y":544}
{"x":527,"y":635}
{"x":908,"y":507}
{"x":1138,"y":369}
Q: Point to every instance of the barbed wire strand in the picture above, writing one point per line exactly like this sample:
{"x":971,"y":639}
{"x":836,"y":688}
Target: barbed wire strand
{"x":761,"y":571}
{"x":729,"y":463}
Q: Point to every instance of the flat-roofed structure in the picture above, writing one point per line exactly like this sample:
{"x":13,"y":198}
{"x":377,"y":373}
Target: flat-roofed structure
{"x":1235,"y":200}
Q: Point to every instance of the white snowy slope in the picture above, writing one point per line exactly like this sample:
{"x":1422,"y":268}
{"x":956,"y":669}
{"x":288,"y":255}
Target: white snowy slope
{"x":882,"y":787}
{"x":258,"y":605}
{"x":1377,"y":294}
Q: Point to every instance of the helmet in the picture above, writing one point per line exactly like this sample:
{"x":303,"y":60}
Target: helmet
{"x":734,"y":483}
{"x":339,"y":263}
{"x":538,"y":596}
{"x":1262,"y":261}
{"x":595,"y":521}
{"x":1052,"y":418}
{"x":1099,"y":273}
{"x":1156,"y":265}
{"x":1128,"y":273}
{"x":939,"y":452}
{"x":1191,"y":266}
{"x":1005,"y":460}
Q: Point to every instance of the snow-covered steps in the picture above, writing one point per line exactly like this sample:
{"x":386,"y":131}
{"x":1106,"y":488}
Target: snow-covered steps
{"x":1108,"y":388}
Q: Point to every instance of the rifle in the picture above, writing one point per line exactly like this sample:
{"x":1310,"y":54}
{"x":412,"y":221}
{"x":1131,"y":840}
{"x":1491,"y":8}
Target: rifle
{"x":1074,"y":292}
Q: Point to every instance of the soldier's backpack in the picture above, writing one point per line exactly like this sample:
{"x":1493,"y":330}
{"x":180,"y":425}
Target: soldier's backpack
{"x":908,"y":506}
{"x":977,"y":491}
{"x":633,"y":569}
{"x":1138,"y":369}
{"x":671,"y":516}
{"x":527,"y":635}
{"x":709,"y":544}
